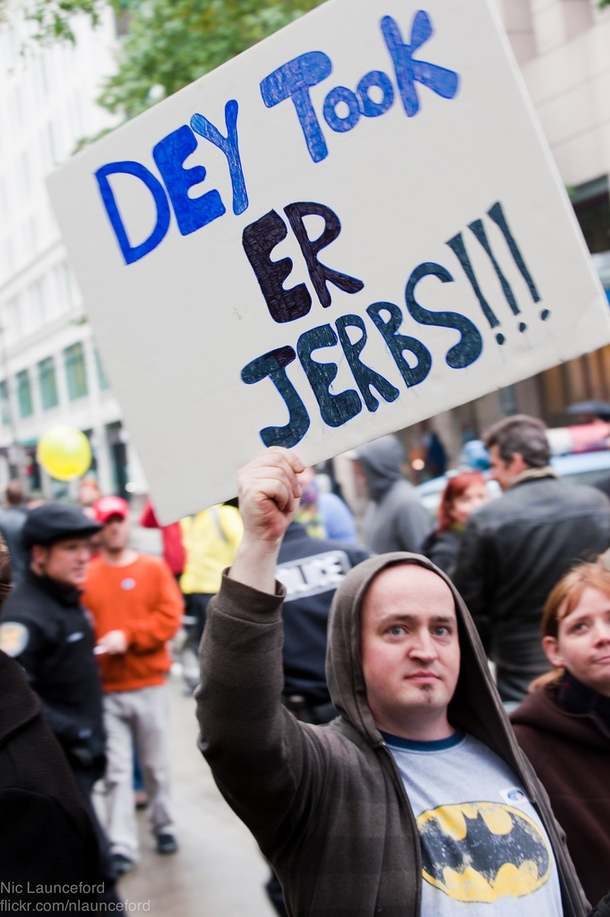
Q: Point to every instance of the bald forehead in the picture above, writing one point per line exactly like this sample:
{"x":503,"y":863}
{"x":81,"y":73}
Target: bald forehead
{"x":412,"y":587}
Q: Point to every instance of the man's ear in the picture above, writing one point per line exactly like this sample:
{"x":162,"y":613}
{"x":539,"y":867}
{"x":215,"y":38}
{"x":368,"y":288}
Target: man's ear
{"x":550,"y":645}
{"x":517,"y":463}
{"x":38,"y":554}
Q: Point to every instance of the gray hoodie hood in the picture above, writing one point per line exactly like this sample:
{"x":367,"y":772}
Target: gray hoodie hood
{"x":476,"y":705}
{"x":380,"y":462}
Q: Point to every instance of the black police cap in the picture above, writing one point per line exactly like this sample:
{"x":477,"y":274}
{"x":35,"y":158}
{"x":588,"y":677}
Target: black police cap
{"x":53,"y":521}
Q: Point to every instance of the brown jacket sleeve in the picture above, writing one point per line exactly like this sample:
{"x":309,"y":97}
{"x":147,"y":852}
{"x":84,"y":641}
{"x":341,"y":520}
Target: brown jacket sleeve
{"x":259,"y":754}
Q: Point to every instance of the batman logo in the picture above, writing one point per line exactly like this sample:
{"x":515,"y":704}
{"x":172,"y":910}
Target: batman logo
{"x":482,"y":851}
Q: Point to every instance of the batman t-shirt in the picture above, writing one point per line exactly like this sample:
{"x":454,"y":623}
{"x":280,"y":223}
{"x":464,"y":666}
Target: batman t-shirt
{"x":484,"y":849}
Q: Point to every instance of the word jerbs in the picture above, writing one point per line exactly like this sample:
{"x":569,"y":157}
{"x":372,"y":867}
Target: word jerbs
{"x":293,"y":81}
{"x":287,"y":305}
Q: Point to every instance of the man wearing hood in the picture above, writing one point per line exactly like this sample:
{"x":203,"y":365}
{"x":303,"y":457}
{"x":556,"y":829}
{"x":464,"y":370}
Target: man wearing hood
{"x":417,"y":798}
{"x":395,"y":519}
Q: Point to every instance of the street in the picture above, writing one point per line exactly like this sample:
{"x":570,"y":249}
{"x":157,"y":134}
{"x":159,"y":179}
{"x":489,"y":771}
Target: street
{"x":218,"y":871}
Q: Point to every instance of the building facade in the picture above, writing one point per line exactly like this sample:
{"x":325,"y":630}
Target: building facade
{"x":50,"y":370}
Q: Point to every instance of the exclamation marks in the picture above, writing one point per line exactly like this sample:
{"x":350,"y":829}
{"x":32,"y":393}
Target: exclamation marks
{"x":458,"y":247}
{"x":456,"y":244}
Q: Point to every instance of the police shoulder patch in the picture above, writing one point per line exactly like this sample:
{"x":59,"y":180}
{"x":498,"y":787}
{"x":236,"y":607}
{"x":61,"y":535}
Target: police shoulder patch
{"x":14,"y":638}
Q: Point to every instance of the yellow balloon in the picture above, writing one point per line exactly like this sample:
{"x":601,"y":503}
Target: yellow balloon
{"x":65,"y":453}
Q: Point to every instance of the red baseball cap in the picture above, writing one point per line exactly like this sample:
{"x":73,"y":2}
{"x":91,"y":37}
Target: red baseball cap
{"x":110,"y":506}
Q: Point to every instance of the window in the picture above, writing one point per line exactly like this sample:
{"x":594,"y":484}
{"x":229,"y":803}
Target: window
{"x":49,"y":153}
{"x":14,"y":329}
{"x":64,"y":287}
{"x":76,"y":374}
{"x":48,"y":383}
{"x":592,"y":205}
{"x":102,"y":379}
{"x":37,"y":304}
{"x":4,"y":406}
{"x":24,"y":394}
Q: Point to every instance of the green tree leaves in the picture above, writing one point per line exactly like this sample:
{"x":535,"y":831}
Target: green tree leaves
{"x":170,"y":43}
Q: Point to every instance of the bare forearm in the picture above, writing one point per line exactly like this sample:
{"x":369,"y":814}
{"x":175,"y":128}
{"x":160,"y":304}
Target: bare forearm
{"x":255,"y":563}
{"x":269,"y":492}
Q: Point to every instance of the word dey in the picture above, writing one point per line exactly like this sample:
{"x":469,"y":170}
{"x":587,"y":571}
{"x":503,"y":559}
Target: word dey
{"x":292,"y":80}
{"x":351,"y":334}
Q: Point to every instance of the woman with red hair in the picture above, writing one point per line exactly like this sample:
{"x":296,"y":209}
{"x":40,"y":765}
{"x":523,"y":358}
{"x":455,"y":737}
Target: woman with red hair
{"x":464,"y":493}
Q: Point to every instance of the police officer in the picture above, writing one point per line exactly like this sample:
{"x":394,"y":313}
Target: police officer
{"x":46,"y":630}
{"x":310,"y":569}
{"x":48,"y":633}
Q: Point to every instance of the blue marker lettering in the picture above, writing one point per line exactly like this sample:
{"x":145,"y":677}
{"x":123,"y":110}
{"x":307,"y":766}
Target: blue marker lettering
{"x":335,"y":409}
{"x":371,"y":109}
{"x":409,"y":71}
{"x":334,"y":121}
{"x":293,"y":81}
{"x":131,"y":252}
{"x":229,"y":145}
{"x":469,"y":347}
{"x":191,"y":212}
{"x":273,"y":365}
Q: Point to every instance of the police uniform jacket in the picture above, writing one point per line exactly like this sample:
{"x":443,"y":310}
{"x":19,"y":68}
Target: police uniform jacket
{"x":45,"y":629}
{"x":311,"y":569}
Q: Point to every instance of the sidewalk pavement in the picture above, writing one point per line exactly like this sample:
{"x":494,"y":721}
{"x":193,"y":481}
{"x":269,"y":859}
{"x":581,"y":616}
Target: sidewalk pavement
{"x":219,"y":870}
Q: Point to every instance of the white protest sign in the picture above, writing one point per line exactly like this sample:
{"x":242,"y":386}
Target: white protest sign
{"x":351,"y":227}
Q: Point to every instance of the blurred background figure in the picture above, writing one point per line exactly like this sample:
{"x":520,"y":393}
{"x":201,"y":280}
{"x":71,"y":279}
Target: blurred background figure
{"x":516,"y":548}
{"x":395,"y":518}
{"x":210,"y":540}
{"x":324,"y":514}
{"x":436,"y":455}
{"x":463,"y":494}
{"x":564,"y":724}
{"x":137,"y":608}
{"x":46,"y":630}
{"x":12,"y":518}
{"x":171,"y":535}
{"x":88,"y":494}
{"x":46,"y":832}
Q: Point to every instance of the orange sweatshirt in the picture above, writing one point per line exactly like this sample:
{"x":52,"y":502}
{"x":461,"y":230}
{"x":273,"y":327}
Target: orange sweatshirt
{"x":143,"y":600}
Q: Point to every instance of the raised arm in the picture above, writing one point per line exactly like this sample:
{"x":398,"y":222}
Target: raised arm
{"x":269,"y":490}
{"x":257,"y":751}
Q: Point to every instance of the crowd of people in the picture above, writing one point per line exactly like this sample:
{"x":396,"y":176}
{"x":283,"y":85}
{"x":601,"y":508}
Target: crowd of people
{"x":346,"y":702}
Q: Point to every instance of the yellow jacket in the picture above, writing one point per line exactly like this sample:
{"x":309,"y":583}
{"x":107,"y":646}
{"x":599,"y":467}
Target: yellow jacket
{"x":210,"y":541}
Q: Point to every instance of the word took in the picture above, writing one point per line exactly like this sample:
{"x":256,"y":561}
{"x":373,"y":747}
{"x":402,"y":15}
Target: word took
{"x":294,"y":80}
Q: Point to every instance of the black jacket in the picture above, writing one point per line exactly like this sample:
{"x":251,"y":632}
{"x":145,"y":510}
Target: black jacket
{"x":442,"y":549}
{"x":46,"y":836}
{"x":12,"y":520}
{"x":48,"y":633}
{"x":514,"y":550}
{"x":311,"y":569}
